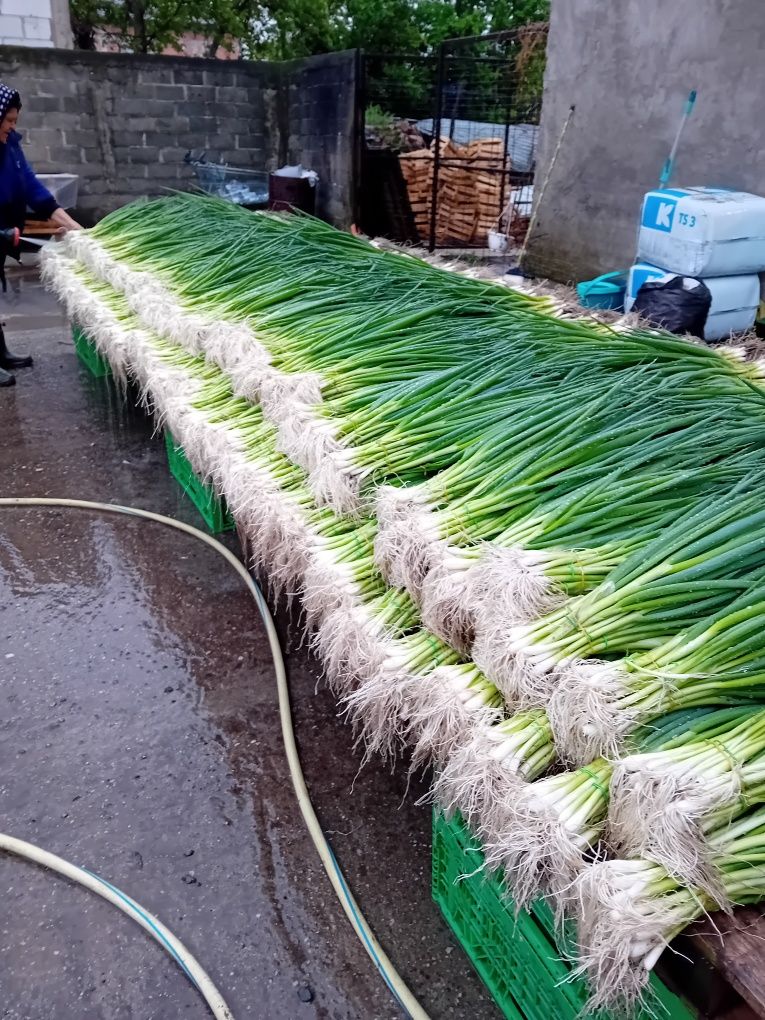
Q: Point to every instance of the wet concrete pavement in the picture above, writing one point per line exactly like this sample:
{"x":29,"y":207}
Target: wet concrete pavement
{"x":139,"y":736}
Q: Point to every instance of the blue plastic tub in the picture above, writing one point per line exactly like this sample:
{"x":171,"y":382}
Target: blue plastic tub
{"x":605,"y":292}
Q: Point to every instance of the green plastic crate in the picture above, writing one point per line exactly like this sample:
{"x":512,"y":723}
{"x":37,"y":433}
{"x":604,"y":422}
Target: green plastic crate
{"x":211,"y":507}
{"x":517,"y":958}
{"x":88,"y":355}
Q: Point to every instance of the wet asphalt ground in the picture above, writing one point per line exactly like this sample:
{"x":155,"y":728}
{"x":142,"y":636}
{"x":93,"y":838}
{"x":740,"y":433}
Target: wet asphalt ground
{"x":139,"y":737}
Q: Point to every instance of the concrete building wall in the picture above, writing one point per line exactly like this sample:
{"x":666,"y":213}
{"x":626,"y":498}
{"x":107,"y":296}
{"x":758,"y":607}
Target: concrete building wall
{"x":124,"y":122}
{"x":323,"y":135}
{"x":37,"y":23}
{"x":628,"y":66}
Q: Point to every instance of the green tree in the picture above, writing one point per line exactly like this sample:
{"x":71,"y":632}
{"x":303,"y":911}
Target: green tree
{"x":148,"y":26}
{"x":283,"y":29}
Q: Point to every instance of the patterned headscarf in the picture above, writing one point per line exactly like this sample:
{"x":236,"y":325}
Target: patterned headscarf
{"x":8,"y":97}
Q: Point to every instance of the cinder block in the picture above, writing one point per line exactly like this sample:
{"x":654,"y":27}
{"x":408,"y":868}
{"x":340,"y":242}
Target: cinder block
{"x":252,"y":158}
{"x":91,"y":165}
{"x":80,"y":137}
{"x":65,"y":156}
{"x":27,"y":8}
{"x":170,"y":172}
{"x":200,"y":94}
{"x":130,"y":137}
{"x":204,"y":124}
{"x":143,"y":154}
{"x":231,"y":94}
{"x":41,"y":104}
{"x":11,"y":29}
{"x":174,"y":92}
{"x":142,"y":91}
{"x":128,"y":106}
{"x":147,"y":124}
{"x":172,"y":153}
{"x":157,"y":75}
{"x":38,"y":28}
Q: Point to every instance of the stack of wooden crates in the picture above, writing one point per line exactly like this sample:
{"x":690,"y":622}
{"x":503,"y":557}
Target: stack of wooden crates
{"x":470,"y":189}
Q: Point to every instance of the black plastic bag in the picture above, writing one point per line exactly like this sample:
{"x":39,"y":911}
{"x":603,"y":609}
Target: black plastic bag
{"x":680,"y":305}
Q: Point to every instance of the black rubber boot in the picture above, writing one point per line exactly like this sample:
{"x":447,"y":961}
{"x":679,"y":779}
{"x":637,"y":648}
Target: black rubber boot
{"x":6,"y":379}
{"x":11,"y":361}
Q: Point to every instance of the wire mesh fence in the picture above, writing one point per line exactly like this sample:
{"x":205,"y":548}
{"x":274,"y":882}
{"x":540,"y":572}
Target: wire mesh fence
{"x":450,"y":141}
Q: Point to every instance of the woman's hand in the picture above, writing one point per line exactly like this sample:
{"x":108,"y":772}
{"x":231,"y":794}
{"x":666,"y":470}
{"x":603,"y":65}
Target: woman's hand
{"x":65,"y":221}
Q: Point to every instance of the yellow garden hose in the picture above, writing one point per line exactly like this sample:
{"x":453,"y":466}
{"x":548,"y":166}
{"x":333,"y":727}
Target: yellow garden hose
{"x":194,"y":971}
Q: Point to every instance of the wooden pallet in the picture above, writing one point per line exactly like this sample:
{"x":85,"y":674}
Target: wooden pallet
{"x":470,"y":189}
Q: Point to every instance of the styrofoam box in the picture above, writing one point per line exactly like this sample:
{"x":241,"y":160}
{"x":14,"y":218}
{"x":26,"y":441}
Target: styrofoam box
{"x":703,"y":231}
{"x":734,"y":298}
{"x":63,"y":187}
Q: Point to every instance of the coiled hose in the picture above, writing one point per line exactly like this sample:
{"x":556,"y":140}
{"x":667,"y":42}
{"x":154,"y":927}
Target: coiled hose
{"x":156,"y":929}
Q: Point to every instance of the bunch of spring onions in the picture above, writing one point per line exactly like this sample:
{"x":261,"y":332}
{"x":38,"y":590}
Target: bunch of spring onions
{"x":570,"y":544}
{"x":490,"y":768}
{"x":702,"y":562}
{"x":718,"y":659}
{"x":543,"y":833}
{"x":665,"y":803}
{"x":483,"y":505}
{"x":631,"y":909}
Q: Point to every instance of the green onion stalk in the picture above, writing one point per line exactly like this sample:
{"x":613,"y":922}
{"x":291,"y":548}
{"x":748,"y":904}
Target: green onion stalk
{"x":632,"y":909}
{"x":378,"y":707}
{"x":341,"y":571}
{"x":664,"y":804}
{"x":399,"y":684}
{"x":542,"y":455}
{"x":568,"y":545}
{"x":543,"y":832}
{"x":444,"y":708}
{"x":492,"y":766}
{"x":353,"y":641}
{"x":718,"y":659}
{"x":701,"y":563}
{"x":165,"y":236}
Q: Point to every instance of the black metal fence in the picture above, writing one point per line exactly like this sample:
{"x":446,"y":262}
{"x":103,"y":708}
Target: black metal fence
{"x":450,"y":140}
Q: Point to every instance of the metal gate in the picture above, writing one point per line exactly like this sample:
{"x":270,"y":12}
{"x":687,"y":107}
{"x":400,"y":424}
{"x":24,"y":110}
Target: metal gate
{"x":456,"y":169}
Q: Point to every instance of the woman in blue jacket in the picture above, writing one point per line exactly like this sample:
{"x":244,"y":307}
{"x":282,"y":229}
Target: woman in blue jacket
{"x":19,"y":189}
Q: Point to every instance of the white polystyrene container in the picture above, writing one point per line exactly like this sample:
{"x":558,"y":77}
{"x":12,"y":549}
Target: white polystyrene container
{"x":734,"y":298}
{"x":703,"y":231}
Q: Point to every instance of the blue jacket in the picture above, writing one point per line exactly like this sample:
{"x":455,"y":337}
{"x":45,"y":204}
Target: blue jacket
{"x":19,"y":187}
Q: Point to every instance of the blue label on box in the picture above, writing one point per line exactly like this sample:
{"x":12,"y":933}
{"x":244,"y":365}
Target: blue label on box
{"x":659,"y":211}
{"x":641,"y":276}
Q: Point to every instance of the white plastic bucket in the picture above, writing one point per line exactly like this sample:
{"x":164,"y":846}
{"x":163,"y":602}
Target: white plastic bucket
{"x":497,"y":241}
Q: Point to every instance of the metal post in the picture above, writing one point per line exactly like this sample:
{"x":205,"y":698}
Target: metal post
{"x":505,"y":175}
{"x":359,"y":116}
{"x":437,"y":150}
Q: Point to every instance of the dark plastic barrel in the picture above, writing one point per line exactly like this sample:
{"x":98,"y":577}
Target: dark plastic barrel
{"x":286,"y":193}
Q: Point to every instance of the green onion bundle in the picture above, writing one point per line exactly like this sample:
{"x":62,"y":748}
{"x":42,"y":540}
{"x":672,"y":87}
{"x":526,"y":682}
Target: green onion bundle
{"x":664,"y":803}
{"x":570,"y":544}
{"x":490,"y":768}
{"x":543,"y":832}
{"x":718,"y":660}
{"x":632,"y":909}
{"x":701,"y":563}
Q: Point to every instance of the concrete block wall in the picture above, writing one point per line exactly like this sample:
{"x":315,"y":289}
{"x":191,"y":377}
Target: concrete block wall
{"x":322,"y":129}
{"x":124,"y":122}
{"x":628,"y":68}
